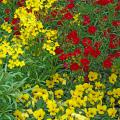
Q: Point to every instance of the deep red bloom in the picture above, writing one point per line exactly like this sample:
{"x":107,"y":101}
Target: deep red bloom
{"x":76,"y":40}
{"x":86,"y":20}
{"x":92,"y":29}
{"x":116,"y":23}
{"x":86,"y":42}
{"x":77,"y":51}
{"x":59,"y":22}
{"x":7,"y":11}
{"x":104,"y":2}
{"x":6,"y":19}
{"x":74,"y":67}
{"x":107,"y":63}
{"x":68,"y":16}
{"x":87,"y":50}
{"x":95,"y":53}
{"x":70,"y":6}
{"x":1,"y":0}
{"x":15,"y":21}
{"x":85,"y":62}
{"x":70,"y":54}
{"x":63,"y":57}
{"x":72,"y":34}
{"x":58,"y":50}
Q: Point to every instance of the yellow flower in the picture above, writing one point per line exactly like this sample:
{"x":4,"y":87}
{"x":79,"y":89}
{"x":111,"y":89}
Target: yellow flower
{"x":52,"y":107}
{"x":4,"y":1}
{"x":39,"y":114}
{"x":58,"y":93}
{"x":99,"y":85}
{"x":91,"y":112}
{"x":92,"y":76}
{"x":113,"y":78}
{"x":50,"y":84}
{"x":112,"y":101}
{"x":79,"y":116}
{"x":20,"y":116}
{"x":112,"y":112}
{"x":101,"y":109}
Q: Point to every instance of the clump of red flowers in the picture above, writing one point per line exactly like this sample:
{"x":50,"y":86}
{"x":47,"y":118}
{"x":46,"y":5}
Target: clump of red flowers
{"x":92,"y":29}
{"x":103,"y":2}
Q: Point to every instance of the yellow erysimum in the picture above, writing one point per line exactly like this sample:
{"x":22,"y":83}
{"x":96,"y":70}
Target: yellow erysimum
{"x":7,"y":27}
{"x":39,"y":114}
{"x":112,"y":112}
{"x":92,"y":76}
{"x":113,"y":78}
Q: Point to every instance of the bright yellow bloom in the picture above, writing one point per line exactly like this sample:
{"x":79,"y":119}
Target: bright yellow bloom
{"x":101,"y":108}
{"x":113,"y":78}
{"x":92,"y":76}
{"x":58,"y":93}
{"x":112,"y":112}
{"x":91,"y":112}
{"x":39,"y":114}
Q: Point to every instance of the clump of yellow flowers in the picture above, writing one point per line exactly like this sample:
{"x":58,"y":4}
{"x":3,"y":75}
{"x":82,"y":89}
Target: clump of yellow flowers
{"x":30,"y":26}
{"x":58,"y":101}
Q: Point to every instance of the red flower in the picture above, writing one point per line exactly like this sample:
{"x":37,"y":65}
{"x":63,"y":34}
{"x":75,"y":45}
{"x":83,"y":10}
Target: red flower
{"x":72,"y":34}
{"x":76,"y":52}
{"x":6,"y":19}
{"x":86,"y":20}
{"x":95,"y":53}
{"x":68,"y":16}
{"x":59,"y":22}
{"x":58,"y":50}
{"x":116,"y":23}
{"x":87,"y":50}
{"x":7,"y":11}
{"x":70,"y":6}
{"x":76,"y":40}
{"x":92,"y":29}
{"x":104,"y":2}
{"x":107,"y":63}
{"x":85,"y":62}
{"x":86,"y":42}
{"x":70,"y":54}
{"x":74,"y":67}
{"x":15,"y":21}
{"x":63,"y":57}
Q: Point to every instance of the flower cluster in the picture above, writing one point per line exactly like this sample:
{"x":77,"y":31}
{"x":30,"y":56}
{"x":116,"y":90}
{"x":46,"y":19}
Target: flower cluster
{"x":56,"y":100}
